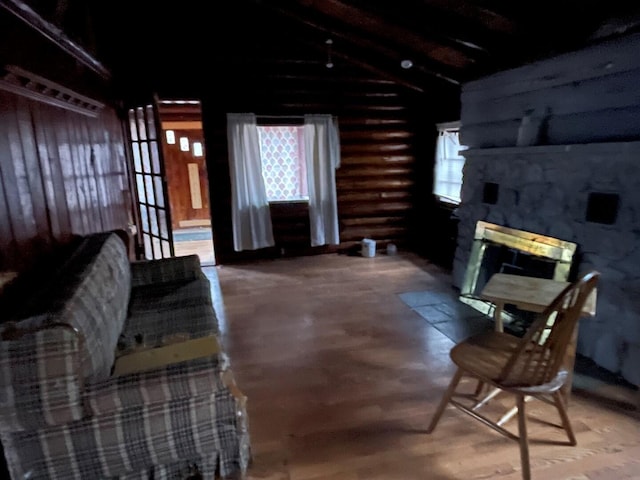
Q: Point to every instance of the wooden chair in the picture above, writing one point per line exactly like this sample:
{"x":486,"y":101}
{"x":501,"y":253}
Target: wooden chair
{"x":537,"y":365}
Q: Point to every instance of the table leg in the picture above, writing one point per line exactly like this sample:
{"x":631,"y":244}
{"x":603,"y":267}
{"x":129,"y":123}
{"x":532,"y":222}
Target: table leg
{"x":497,"y":316}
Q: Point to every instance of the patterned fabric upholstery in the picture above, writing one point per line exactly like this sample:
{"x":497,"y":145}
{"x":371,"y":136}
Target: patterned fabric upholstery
{"x":40,"y":380}
{"x":99,"y":285}
{"x":62,"y":414}
{"x":134,"y":439}
{"x":89,"y":292}
{"x":158,"y":312}
{"x":166,"y":270}
{"x":181,"y":380}
{"x":175,"y":470}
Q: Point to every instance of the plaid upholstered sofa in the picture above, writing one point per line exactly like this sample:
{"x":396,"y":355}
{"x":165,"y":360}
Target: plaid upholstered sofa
{"x":63,"y":414}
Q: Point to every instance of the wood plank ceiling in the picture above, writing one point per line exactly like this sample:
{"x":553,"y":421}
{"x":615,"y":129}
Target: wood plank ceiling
{"x":448,"y":41}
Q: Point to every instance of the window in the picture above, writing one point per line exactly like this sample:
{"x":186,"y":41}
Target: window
{"x":283,"y":164}
{"x":447,"y":178}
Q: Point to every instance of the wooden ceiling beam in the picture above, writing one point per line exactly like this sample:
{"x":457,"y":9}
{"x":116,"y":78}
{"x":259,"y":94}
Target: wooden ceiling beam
{"x":440,"y":24}
{"x":22,"y":11}
{"x":378,"y":27}
{"x":479,"y":14}
{"x":424,"y":66}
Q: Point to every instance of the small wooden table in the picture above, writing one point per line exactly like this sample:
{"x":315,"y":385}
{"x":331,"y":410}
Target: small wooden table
{"x":526,"y":293}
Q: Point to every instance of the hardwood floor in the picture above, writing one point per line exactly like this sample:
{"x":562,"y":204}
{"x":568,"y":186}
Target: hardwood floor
{"x":195,"y":240}
{"x":342,"y":378}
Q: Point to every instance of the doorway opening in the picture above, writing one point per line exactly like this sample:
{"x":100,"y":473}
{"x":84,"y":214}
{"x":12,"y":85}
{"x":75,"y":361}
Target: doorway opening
{"x":187,"y":179}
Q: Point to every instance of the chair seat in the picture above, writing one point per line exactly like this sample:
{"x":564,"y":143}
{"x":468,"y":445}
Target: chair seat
{"x":485,"y":356}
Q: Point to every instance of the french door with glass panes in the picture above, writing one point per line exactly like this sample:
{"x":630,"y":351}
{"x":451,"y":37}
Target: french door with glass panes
{"x":150,"y":183}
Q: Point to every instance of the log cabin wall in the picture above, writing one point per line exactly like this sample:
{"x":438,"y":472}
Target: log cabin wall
{"x":387,"y":137}
{"x":62,"y":173}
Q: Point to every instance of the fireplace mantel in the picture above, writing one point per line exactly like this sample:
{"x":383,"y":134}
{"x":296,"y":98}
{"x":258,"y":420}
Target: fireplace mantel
{"x":606,"y":147}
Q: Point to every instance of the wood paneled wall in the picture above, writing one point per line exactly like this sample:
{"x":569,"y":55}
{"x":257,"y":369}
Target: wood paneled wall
{"x":61,"y":173}
{"x":179,"y":184}
{"x":387,"y":141}
{"x":185,"y":119}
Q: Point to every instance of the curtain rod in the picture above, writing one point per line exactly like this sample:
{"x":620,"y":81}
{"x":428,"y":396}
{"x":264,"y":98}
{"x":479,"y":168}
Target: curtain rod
{"x":281,"y":116}
{"x":285,"y":117}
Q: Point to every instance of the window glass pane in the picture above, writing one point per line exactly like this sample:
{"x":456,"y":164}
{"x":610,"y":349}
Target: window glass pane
{"x":162,"y":214}
{"x":166,"y":250}
{"x":148,"y":249}
{"x":137,"y":163}
{"x":140,"y":184}
{"x":146,"y":164}
{"x":144,"y":216}
{"x":151,"y":123}
{"x":184,"y":144}
{"x":283,"y":164}
{"x":159,"y":192}
{"x":132,"y":126}
{"x":197,"y":149}
{"x":171,"y":137}
{"x":153,"y":220}
{"x":142,"y":128}
{"x":157,"y":247}
{"x":155,"y":157}
{"x":151,"y":197}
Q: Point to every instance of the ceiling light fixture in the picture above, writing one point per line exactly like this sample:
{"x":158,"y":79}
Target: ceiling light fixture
{"x":406,"y":64}
{"x":329,"y":43}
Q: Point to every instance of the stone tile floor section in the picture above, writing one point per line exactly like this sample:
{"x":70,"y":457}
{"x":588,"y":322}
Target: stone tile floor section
{"x":445,"y":312}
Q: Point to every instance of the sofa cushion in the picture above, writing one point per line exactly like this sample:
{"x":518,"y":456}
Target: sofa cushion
{"x":157,"y":312}
{"x":173,"y":269}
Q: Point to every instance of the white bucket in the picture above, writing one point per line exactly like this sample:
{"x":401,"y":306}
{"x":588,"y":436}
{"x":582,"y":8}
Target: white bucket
{"x":368,"y":247}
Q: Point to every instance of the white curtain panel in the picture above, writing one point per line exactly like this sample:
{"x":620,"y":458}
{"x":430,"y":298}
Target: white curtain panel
{"x":250,"y":209}
{"x":322,"y":153}
{"x":447,"y":179}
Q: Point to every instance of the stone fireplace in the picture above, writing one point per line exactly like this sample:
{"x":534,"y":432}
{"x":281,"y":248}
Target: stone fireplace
{"x":583,"y":194}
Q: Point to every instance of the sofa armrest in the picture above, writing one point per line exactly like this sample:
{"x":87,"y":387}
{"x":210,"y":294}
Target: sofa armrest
{"x":40,"y":376}
{"x":147,"y":272}
{"x":202,"y":376}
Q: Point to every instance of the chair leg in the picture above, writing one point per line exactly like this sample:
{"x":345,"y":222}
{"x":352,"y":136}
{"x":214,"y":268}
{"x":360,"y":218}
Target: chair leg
{"x":557,"y":399}
{"x":524,"y":441}
{"x":488,"y":397}
{"x":479,"y":388}
{"x":445,"y":400}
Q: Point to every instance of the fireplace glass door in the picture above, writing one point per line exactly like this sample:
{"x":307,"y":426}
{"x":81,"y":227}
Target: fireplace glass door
{"x":498,"y":249}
